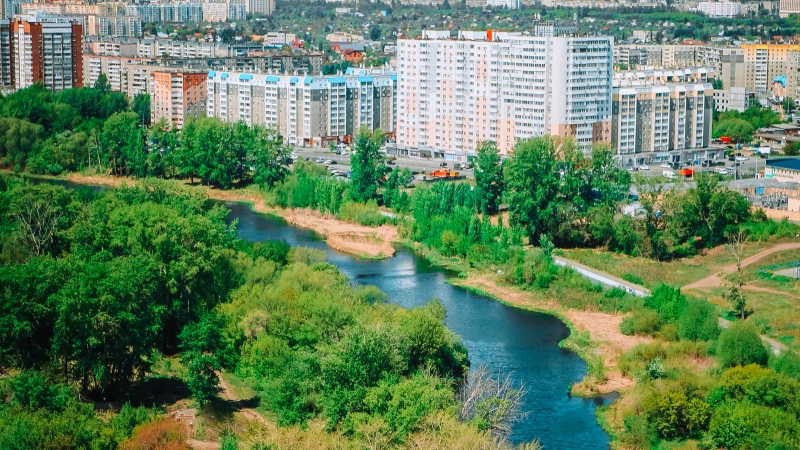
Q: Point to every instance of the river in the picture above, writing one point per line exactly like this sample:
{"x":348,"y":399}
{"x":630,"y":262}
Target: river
{"x":509,"y":340}
{"x":521,"y":343}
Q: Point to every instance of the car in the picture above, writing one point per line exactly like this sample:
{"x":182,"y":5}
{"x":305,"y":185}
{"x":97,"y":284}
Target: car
{"x":722,"y":171}
{"x":705,"y":163}
{"x":665,"y":166}
{"x":345,"y":153}
{"x":333,"y":161}
{"x":731,"y":158}
{"x":739,"y":154}
{"x":390,"y":162}
{"x":457,"y":166}
{"x":444,"y":164}
{"x":320,"y":161}
{"x":327,"y":162}
{"x":644,"y":168}
{"x":308,"y":158}
{"x":742,"y":158}
{"x":632,"y":169}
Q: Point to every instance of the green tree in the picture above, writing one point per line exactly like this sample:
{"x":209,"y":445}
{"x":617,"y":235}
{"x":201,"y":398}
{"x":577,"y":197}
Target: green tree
{"x":141,"y":106}
{"x":532,"y":181}
{"x":366,"y":165}
{"x":102,"y":84}
{"x":269,"y":157}
{"x":740,"y":345}
{"x":737,"y":129}
{"x":488,"y":178}
{"x":791,"y":148}
{"x":204,"y":354}
{"x":122,"y":142}
{"x":698,"y":321}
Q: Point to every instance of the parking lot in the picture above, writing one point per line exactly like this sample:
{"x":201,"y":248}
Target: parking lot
{"x":413,"y":164}
{"x":736,"y":169}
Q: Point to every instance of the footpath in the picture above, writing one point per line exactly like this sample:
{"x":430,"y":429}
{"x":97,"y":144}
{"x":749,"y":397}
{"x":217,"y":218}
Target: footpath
{"x":708,"y":282}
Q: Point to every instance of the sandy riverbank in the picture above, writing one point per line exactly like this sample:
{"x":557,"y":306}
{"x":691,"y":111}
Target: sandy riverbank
{"x":346,"y":237}
{"x":602,"y":327}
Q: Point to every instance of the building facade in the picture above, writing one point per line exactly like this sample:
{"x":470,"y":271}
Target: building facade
{"x":46,"y":52}
{"x":789,"y":7}
{"x":501,"y":87}
{"x":177,"y":96}
{"x":306,"y":110}
{"x":659,"y":114}
{"x":263,"y":7}
{"x":720,"y":9}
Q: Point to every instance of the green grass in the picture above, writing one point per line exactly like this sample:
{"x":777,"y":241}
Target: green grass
{"x":240,"y":388}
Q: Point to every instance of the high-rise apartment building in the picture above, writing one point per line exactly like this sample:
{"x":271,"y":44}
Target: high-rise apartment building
{"x":788,"y":7}
{"x":661,"y":115}
{"x":177,"y":97}
{"x":501,"y":87}
{"x":306,"y":110}
{"x":722,"y":8}
{"x":764,"y":63}
{"x":46,"y":52}
{"x":263,"y":7}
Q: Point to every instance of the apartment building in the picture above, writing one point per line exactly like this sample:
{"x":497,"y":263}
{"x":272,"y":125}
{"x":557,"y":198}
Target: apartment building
{"x":280,"y":38}
{"x":789,"y":7}
{"x":133,"y":75}
{"x":764,"y":63}
{"x":223,"y":11}
{"x":177,"y":96}
{"x":166,"y":12}
{"x":720,"y":9}
{"x":502,"y":87}
{"x":662,"y":115}
{"x":306,"y":110}
{"x":666,"y":56}
{"x":263,"y":7}
{"x":46,"y":52}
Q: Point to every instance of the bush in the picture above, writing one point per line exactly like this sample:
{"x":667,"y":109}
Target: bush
{"x":787,"y":364}
{"x":698,"y":322}
{"x":365,"y":214}
{"x":740,"y":345}
{"x":643,"y":321}
{"x":162,"y":435}
{"x":32,"y":390}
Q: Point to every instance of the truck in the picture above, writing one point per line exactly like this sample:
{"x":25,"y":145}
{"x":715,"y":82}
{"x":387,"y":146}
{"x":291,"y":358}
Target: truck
{"x":444,"y":174}
{"x":669,"y":174}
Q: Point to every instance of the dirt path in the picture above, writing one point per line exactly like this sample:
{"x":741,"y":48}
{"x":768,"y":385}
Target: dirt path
{"x":716,"y":281}
{"x":602,"y":327}
{"x":250,"y":414}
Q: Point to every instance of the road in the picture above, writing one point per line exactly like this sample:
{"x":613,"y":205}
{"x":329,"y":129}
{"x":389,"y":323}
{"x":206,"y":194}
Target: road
{"x":401,"y":162}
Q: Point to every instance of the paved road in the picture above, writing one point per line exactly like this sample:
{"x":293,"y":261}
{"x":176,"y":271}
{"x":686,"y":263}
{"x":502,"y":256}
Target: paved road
{"x":715,"y":280}
{"x":411,"y":163}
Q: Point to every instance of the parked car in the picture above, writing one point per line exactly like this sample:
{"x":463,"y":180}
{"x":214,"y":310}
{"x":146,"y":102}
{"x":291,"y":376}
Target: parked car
{"x":666,"y":166}
{"x":644,"y":168}
{"x":742,"y":158}
{"x":320,"y":161}
{"x":444,"y":164}
{"x":333,"y":161}
{"x":632,"y":169}
{"x":390,"y":162}
{"x":327,"y":162}
{"x":722,"y":171}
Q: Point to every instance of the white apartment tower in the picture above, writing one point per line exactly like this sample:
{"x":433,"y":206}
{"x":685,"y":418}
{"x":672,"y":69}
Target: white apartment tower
{"x":502,"y":87}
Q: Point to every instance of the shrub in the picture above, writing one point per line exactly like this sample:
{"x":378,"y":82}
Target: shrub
{"x":643,"y":321}
{"x":740,"y":345}
{"x":162,"y":435}
{"x":631,"y":278}
{"x":787,"y":364}
{"x":698,"y":322}
{"x":365,"y":214}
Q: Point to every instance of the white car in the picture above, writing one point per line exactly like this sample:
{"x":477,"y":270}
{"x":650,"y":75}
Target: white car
{"x":722,"y":171}
{"x":319,"y":161}
{"x":741,"y":158}
{"x":327,"y":161}
{"x":666,"y":166}
{"x":644,"y":168}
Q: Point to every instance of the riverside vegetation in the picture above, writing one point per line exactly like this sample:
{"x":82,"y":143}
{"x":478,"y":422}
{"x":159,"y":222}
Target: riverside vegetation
{"x":697,"y":385}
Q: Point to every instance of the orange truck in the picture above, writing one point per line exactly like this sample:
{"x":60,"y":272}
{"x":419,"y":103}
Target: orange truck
{"x":443,"y":174}
{"x":687,"y":172}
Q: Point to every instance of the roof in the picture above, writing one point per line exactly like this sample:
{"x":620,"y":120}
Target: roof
{"x":785,"y":126}
{"x":785,"y":163}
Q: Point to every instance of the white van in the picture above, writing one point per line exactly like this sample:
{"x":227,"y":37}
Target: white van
{"x":669,"y":174}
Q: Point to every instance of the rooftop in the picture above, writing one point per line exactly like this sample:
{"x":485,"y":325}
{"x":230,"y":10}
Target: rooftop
{"x":785,"y":163}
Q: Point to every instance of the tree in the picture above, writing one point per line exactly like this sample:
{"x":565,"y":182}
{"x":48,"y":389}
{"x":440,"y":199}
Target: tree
{"x":102,"y":84}
{"x":204,"y":354}
{"x":269,"y":157}
{"x":718,"y":84}
{"x":791,"y":148}
{"x":736,"y":129}
{"x":734,"y":291}
{"x":367,"y":165}
{"x":488,"y":178}
{"x":698,"y":321}
{"x":227,"y":35}
{"x":740,"y":345}
{"x":122,"y":141}
{"x":491,"y":402}
{"x":141,"y":106}
{"x":532,"y":179}
{"x":375,"y":33}
{"x":37,"y":210}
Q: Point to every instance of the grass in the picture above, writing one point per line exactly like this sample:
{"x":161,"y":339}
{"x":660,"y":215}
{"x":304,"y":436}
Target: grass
{"x":652,"y":273}
{"x":240,"y":388}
